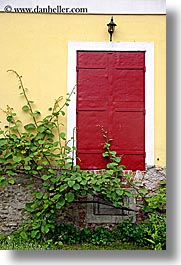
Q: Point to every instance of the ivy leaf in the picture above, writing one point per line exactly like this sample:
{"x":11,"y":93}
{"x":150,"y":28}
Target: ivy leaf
{"x":60,"y":204}
{"x":41,"y":141}
{"x":14,"y":128}
{"x":24,"y":235}
{"x":33,"y":114}
{"x":63,"y":187}
{"x":34,"y":233}
{"x":30,"y":186}
{"x":162,"y":182}
{"x":93,"y":181}
{"x":10,"y":172}
{"x":97,"y":188}
{"x":37,"y":112}
{"x":27,"y":159}
{"x":44,"y":163}
{"x":119,"y":192}
{"x":111,"y":165}
{"x":71,"y":183}
{"x":62,"y":136}
{"x":45,"y":177}
{"x":55,"y":144}
{"x":30,"y":101}
{"x":127,"y":193}
{"x":83,"y":192}
{"x":27,"y":167}
{"x":105,"y":154}
{"x":117,"y":159}
{"x":113,"y":153}
{"x":39,"y":167}
{"x":69,"y":197}
{"x":83,"y":182}
{"x":29,"y":126}
{"x":42,"y":128}
{"x":56,"y":197}
{"x":76,"y":186}
{"x":143,"y":190}
{"x":117,"y":204}
{"x":10,"y":118}
{"x":4,"y":183}
{"x":62,"y":112}
{"x":45,"y":229}
{"x":11,"y":181}
{"x":79,"y":178}
{"x":3,"y":142}
{"x":25,"y":108}
{"x":2,"y":178}
{"x":2,"y":160}
{"x":39,"y":195}
{"x":17,"y":159}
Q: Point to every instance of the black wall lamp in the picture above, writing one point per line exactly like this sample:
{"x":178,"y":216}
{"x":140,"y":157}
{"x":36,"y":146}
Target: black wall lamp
{"x":111,"y":27}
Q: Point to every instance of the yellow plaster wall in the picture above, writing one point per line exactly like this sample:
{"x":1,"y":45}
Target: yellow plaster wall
{"x":36,"y":46}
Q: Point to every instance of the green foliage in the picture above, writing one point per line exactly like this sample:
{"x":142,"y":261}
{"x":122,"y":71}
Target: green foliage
{"x":113,"y":161}
{"x":40,"y":150}
{"x":157,"y":231}
{"x":157,"y":200}
{"x":103,"y":236}
{"x":14,"y":242}
{"x":152,"y":202}
{"x":132,"y":232}
{"x":151,"y":232}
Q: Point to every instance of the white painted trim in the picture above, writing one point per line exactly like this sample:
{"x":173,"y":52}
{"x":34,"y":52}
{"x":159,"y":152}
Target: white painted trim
{"x":73,"y":47}
{"x":92,"y":6}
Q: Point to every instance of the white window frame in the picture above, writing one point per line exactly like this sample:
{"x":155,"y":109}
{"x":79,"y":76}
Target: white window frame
{"x":148,"y":47}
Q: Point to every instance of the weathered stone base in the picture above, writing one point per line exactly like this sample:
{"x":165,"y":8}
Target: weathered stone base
{"x":13,"y":199}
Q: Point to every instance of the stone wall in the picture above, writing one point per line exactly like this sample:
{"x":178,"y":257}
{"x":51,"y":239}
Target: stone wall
{"x":12,"y":201}
{"x":14,"y":197}
{"x":151,"y":178}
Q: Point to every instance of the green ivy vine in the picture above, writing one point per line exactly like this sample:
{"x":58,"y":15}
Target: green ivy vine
{"x":40,"y":150}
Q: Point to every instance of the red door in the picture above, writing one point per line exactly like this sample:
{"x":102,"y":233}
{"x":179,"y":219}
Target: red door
{"x":111,"y":93}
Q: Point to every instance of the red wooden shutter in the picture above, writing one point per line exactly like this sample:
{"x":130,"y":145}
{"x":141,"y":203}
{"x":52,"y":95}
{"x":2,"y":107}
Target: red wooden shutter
{"x":111,"y":93}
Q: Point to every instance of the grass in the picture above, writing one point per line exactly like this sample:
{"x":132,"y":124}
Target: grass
{"x":12,"y":243}
{"x":114,"y":246}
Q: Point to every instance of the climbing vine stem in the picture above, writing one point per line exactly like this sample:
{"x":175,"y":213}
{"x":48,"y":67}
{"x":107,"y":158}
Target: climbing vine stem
{"x":40,"y":151}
